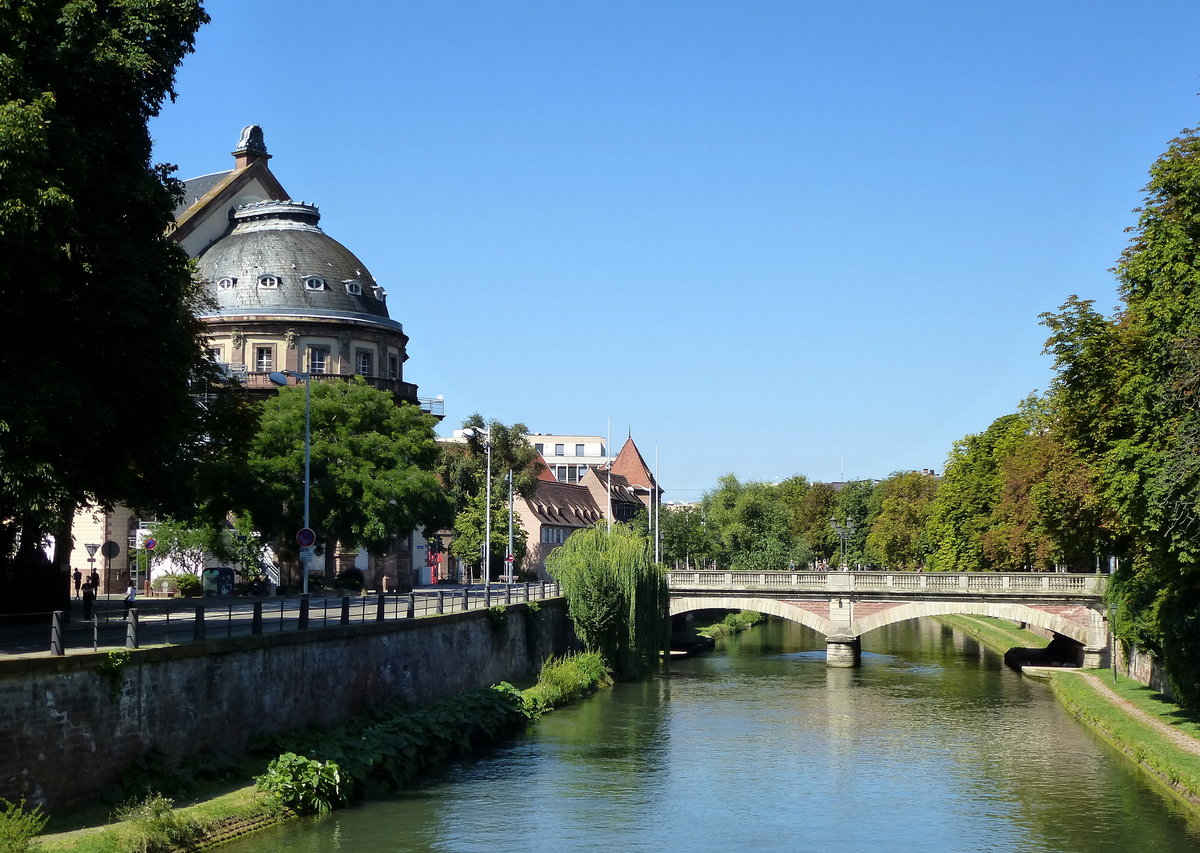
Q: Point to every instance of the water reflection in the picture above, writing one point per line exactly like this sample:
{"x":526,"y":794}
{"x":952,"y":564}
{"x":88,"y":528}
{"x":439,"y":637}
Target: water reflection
{"x":931,"y":745}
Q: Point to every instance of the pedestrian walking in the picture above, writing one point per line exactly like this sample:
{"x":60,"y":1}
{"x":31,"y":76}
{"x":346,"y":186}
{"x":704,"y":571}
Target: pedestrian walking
{"x":78,"y":578}
{"x":89,"y":596}
{"x":130,"y":595}
{"x":95,"y":576}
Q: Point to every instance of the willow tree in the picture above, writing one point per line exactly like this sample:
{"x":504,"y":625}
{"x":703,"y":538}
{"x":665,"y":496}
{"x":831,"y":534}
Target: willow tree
{"x":616,"y":595}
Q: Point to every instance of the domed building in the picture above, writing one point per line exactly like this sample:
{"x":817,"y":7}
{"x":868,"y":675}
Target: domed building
{"x":286,"y":296}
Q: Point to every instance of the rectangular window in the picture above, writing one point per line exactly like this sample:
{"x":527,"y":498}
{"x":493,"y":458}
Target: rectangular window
{"x":362,"y":363}
{"x":318,"y":359}
{"x":579,"y":450}
{"x":582,"y":471}
{"x":559,"y":450}
{"x":540,"y":448}
{"x":554,"y":535}
{"x":560,"y":473}
{"x":264,"y":359}
{"x":393,"y":366}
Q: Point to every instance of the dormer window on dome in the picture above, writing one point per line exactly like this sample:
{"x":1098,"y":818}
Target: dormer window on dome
{"x":314,"y":282}
{"x":268,"y":282}
{"x":226,"y":283}
{"x":354,"y":288}
{"x":379,"y":293}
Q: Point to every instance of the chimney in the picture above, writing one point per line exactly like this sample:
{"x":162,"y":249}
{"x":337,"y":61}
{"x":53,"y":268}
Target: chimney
{"x":250,"y":148}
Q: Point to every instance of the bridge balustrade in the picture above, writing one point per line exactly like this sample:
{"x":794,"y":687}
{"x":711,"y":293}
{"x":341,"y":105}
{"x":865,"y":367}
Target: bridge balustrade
{"x":936,"y":582}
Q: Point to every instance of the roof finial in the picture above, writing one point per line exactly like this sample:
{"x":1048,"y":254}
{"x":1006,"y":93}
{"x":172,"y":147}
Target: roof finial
{"x":250,"y":147}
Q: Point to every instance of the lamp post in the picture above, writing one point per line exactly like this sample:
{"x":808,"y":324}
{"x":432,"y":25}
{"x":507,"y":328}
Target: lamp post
{"x":281,"y":379}
{"x":844,"y":532}
{"x":471,"y":432}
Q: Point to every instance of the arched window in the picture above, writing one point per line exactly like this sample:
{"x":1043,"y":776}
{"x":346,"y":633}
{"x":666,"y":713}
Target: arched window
{"x":314,"y":282}
{"x":226,"y":283}
{"x":268,"y":282}
{"x":354,"y":288}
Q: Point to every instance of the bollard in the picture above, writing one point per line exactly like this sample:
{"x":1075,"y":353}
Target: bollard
{"x":379,"y":603}
{"x":131,"y":630}
{"x":441,"y":605}
{"x":256,"y":624}
{"x":527,"y":592}
{"x":345,"y":618}
{"x":508,"y":595}
{"x":198,"y":625}
{"x":56,"y":634}
{"x":303,"y":624}
{"x":487,"y":596}
{"x":412,"y":606}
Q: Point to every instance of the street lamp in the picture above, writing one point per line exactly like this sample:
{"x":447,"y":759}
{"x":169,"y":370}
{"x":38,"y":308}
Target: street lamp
{"x":844,"y":532}
{"x":471,"y":432}
{"x":281,"y":379}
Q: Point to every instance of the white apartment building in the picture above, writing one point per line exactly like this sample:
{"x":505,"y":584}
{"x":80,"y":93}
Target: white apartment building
{"x":569,"y":456}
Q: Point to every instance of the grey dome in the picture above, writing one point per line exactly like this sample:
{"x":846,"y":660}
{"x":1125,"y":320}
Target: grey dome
{"x":277,"y":261}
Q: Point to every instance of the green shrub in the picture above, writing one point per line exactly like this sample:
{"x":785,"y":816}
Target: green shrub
{"x":350,"y":580}
{"x":304,"y":784}
{"x":497,"y":617}
{"x":19,"y":828}
{"x":566,"y":679}
{"x":155,"y":827}
{"x":189,"y":585}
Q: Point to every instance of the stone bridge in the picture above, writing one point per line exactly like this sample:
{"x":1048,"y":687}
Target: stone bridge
{"x":845,"y":605}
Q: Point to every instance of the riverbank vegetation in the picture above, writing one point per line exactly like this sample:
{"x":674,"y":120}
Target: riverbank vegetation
{"x":1146,"y":745}
{"x":616,"y":596}
{"x":325,"y":768}
{"x":733,"y":623}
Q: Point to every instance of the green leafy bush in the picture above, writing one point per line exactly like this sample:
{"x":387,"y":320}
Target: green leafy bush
{"x":19,"y":827}
{"x":304,"y":784}
{"x":189,"y":585}
{"x":566,"y":679}
{"x":350,"y":580}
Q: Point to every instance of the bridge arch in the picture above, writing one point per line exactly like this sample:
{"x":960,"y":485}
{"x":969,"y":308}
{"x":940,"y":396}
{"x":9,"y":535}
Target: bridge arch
{"x":999,"y":610}
{"x":769,"y":606}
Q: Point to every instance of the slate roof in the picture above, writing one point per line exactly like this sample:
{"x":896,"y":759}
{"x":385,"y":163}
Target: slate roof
{"x":283,"y":239}
{"x":195,"y":188}
{"x":563,"y":504}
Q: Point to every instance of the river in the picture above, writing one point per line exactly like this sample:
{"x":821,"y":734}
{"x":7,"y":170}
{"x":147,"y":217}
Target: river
{"x":932,"y":745}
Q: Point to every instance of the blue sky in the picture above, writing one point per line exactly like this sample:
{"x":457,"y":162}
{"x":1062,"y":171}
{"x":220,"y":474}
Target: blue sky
{"x":768,"y":238}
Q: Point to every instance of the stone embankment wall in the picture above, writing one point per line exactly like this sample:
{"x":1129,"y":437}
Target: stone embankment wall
{"x":68,"y":728}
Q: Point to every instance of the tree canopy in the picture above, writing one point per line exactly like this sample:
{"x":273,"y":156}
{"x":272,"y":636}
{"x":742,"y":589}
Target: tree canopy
{"x":104,"y":412}
{"x":372,"y":467}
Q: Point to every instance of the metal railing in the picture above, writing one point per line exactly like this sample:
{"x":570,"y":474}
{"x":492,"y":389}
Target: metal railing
{"x":174,"y":621}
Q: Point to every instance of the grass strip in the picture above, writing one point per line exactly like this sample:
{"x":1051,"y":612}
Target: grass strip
{"x":1176,"y":768}
{"x":998,"y":634}
{"x":216,"y":821}
{"x":733,"y":623}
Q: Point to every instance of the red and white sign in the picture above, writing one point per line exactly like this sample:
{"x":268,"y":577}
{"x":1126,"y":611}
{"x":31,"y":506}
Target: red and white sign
{"x":305,"y":537}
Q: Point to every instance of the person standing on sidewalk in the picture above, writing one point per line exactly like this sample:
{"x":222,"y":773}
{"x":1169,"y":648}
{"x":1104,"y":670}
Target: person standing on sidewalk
{"x":78,"y":578}
{"x":89,"y":596}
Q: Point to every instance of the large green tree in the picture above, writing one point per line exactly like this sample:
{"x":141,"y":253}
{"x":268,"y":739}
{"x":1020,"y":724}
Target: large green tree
{"x":102,"y":408}
{"x":1127,"y":389}
{"x":900,"y":513}
{"x":372,"y":467}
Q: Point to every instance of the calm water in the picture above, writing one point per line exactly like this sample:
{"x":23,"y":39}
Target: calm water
{"x":931,"y":745}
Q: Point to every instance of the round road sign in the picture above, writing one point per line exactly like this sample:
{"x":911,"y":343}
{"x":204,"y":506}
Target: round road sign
{"x":149,"y":543}
{"x":110,"y":549}
{"x":305,"y":537}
